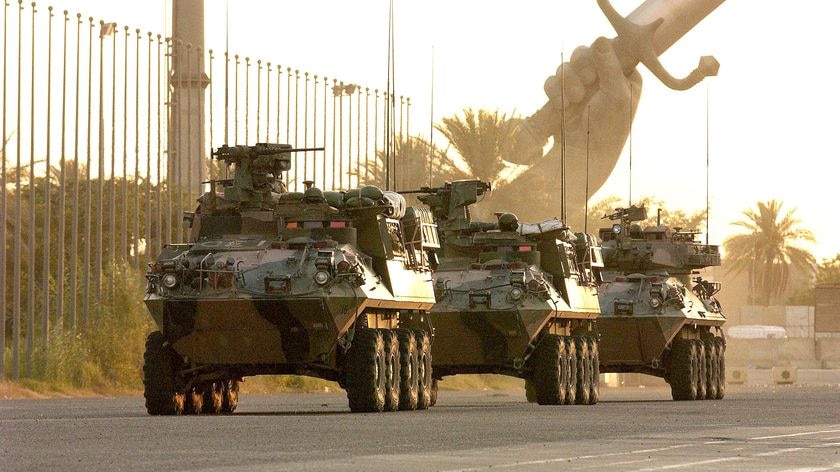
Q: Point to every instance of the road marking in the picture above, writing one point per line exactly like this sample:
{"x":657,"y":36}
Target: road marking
{"x":779,"y":451}
{"x":825,"y":445}
{"x":567,"y":459}
{"x":649,"y":459}
{"x":692,"y":464}
{"x":795,"y":434}
{"x":813,"y":469}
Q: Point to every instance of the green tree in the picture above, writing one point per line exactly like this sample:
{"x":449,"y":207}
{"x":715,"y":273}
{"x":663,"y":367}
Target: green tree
{"x":482,"y":138}
{"x":413,"y":158}
{"x":827,"y":272}
{"x":768,"y":250}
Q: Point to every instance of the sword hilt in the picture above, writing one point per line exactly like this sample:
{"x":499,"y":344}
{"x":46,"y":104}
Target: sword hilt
{"x":638,"y":41}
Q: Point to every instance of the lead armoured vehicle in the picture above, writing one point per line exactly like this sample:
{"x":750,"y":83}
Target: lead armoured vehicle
{"x":334,"y":285}
{"x":514,"y":299}
{"x":659,"y":316}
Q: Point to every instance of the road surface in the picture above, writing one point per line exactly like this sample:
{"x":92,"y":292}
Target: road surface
{"x":788,"y":428}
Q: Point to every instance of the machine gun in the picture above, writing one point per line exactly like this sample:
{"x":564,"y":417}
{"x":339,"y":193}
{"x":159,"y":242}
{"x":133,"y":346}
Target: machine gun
{"x":257,"y":171}
{"x":449,"y":202}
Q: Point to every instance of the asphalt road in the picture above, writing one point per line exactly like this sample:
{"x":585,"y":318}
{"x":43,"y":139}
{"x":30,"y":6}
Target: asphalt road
{"x":775,"y":428}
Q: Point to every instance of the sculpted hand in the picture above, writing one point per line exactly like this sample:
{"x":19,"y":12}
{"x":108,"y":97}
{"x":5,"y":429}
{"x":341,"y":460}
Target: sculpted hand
{"x":597,"y":90}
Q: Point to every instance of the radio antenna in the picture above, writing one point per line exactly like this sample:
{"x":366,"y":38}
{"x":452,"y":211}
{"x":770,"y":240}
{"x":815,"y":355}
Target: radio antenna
{"x":707,"y":163}
{"x":390,"y":105}
{"x":586,"y":199}
{"x":630,"y":177}
{"x":562,"y":139}
{"x":432,"y":120}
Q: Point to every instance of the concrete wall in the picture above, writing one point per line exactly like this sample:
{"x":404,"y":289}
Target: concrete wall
{"x":803,"y":348}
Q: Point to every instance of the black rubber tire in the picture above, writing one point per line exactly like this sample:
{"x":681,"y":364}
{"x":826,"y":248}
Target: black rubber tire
{"x":721,"y":350}
{"x":682,"y":375}
{"x":550,"y":370}
{"x":571,"y":371}
{"x":364,"y":371}
{"x":530,"y":391}
{"x":408,"y":369}
{"x":194,"y":400}
{"x":392,"y":370}
{"x":584,"y":370}
{"x":424,"y":370}
{"x":595,"y":382}
{"x":700,"y":348}
{"x":213,"y":398}
{"x":434,"y":393}
{"x":711,"y":368}
{"x":163,"y":397}
{"x":230,"y":395}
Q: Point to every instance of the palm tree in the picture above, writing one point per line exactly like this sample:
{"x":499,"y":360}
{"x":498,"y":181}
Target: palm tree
{"x":482,"y":138}
{"x":413,"y":158}
{"x":768,"y":251}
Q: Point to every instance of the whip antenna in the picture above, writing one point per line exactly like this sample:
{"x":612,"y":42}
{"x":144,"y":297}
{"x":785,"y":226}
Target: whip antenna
{"x":630,"y":177}
{"x":432,"y":120}
{"x":562,"y":140}
{"x":586,"y":199}
{"x":707,"y":163}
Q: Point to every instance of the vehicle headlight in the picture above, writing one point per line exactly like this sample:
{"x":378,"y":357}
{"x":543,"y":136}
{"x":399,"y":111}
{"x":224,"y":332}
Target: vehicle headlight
{"x":169,"y":281}
{"x":616,"y":228}
{"x":655,"y":302}
{"x":343,"y":266}
{"x":515,"y":294}
{"x":321,"y":277}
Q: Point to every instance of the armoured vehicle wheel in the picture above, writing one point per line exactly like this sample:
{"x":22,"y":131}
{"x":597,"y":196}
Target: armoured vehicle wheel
{"x":434,"y":393}
{"x":571,"y":371}
{"x":424,"y":370}
{"x":365,"y":371}
{"x":683,"y":375}
{"x":213,"y":397}
{"x":230,"y":395}
{"x":551,"y":370}
{"x":721,"y":351}
{"x":159,"y":386}
{"x":711,"y":368}
{"x":595,"y":383}
{"x":530,"y":391}
{"x":392,"y":370}
{"x":701,"y":369}
{"x":584,"y":370}
{"x":194,"y":403}
{"x":408,"y":369}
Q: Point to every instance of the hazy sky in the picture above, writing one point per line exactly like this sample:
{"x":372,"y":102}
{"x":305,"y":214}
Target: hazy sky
{"x":773,"y":107}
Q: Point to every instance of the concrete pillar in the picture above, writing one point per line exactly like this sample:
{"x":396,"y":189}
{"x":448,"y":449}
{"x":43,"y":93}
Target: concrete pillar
{"x":187,"y":151}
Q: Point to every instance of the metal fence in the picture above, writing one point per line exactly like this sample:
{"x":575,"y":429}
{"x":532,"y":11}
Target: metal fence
{"x":106,"y":137}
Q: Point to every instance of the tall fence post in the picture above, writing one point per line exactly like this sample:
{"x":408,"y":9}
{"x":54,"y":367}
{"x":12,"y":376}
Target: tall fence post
{"x":30,"y":319}
{"x":45,"y":269}
{"x":3,"y":208}
{"x":18,"y":220}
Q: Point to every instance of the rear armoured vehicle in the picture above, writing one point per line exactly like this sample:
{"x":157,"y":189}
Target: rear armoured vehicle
{"x":334,"y":285}
{"x":659,"y":316}
{"x":514,"y":299}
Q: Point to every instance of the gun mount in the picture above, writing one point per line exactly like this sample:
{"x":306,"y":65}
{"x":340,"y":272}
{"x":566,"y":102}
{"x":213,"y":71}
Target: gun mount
{"x":627,"y":247}
{"x":257,"y":172}
{"x":450,"y":202}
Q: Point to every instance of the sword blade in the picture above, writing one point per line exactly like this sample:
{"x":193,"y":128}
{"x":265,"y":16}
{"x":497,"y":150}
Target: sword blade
{"x":679,"y":16}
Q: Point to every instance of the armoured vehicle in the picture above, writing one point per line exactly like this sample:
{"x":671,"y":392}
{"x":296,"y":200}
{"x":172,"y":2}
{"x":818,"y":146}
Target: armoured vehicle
{"x":514,"y":299}
{"x":334,"y":285}
{"x":658,"y":315}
